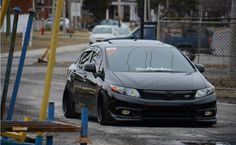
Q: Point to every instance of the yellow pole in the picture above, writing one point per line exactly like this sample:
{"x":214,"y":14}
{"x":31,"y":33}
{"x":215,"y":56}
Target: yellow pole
{"x":51,"y":61}
{"x":3,"y":11}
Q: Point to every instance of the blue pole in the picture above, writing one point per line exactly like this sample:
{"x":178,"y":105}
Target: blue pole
{"x":9,"y":60}
{"x":21,"y":64}
{"x":84,"y":131}
{"x":51,"y":117}
{"x":51,"y":108}
{"x":39,"y":140}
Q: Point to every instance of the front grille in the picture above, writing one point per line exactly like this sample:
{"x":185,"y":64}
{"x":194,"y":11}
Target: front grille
{"x":169,"y":112}
{"x":158,"y":112}
{"x":167,"y":95}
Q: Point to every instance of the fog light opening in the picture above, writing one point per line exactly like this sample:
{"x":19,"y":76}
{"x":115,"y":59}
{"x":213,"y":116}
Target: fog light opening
{"x":208,"y":113}
{"x":125,"y":112}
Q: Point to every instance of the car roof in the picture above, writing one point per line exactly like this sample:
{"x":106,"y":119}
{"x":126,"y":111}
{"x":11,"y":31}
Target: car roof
{"x":122,"y":27}
{"x":131,"y":42}
{"x":104,"y":26}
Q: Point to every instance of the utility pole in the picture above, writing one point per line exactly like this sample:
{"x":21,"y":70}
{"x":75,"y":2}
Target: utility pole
{"x":145,"y":10}
{"x":167,"y":7}
{"x":81,"y":13}
{"x":119,"y":12}
{"x":107,"y":13}
{"x":142,"y":21}
{"x":64,"y":18}
{"x":149,"y":10}
{"x":233,"y":42}
{"x":76,"y":17}
{"x":53,"y":10}
{"x":69,"y":13}
{"x":158,"y":22}
{"x":8,"y":26}
{"x":33,"y":4}
{"x":199,"y":29}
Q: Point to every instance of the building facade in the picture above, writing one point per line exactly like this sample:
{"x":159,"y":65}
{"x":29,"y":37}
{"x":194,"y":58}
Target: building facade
{"x":129,"y":10}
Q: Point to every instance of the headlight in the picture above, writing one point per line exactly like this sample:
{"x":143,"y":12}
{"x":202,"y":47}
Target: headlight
{"x":125,"y":91}
{"x":205,"y":92}
{"x":93,"y":39}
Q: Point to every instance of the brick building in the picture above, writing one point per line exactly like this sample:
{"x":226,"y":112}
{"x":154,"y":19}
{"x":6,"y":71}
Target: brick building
{"x":43,"y":7}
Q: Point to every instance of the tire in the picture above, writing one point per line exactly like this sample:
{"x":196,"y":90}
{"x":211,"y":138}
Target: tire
{"x":188,"y":52}
{"x":103,"y":115}
{"x":68,"y":105}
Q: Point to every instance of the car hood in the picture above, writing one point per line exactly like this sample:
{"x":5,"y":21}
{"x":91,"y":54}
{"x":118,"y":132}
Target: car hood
{"x":162,"y":81}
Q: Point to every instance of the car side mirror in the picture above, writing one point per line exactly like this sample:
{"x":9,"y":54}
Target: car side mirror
{"x":200,"y":67}
{"x":90,"y":67}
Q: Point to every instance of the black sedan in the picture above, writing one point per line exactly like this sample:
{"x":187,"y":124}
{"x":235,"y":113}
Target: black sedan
{"x":135,"y":80}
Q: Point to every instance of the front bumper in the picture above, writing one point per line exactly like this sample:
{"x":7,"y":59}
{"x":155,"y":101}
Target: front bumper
{"x":127,"y":108}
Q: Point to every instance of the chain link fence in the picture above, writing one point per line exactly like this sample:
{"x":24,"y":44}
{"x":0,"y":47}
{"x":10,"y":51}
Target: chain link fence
{"x":207,"y":43}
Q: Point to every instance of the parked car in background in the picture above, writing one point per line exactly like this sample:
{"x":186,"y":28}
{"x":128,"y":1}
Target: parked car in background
{"x":150,"y":33}
{"x":135,"y":80}
{"x":49,"y":23}
{"x":122,"y":31}
{"x":189,"y":39}
{"x":101,"y":32}
{"x":111,"y":22}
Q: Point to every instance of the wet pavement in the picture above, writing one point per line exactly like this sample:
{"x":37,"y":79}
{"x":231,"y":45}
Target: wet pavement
{"x":31,"y":91}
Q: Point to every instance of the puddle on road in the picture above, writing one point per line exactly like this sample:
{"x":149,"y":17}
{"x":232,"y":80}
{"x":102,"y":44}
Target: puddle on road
{"x":210,"y":143}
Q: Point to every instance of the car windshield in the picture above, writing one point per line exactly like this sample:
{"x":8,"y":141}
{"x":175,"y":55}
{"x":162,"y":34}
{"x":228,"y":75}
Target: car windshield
{"x":102,"y":30}
{"x":109,"y":22}
{"x":151,"y":59}
{"x":122,"y":31}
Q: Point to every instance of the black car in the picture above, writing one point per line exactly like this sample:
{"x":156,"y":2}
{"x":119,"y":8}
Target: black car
{"x":135,"y":80}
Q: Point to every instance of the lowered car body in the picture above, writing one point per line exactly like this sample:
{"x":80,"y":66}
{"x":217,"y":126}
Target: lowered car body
{"x":134,"y":80}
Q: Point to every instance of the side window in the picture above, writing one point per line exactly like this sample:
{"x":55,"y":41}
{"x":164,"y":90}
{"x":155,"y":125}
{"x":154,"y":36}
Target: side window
{"x":96,"y":55}
{"x":96,"y":58}
{"x":85,"y":57}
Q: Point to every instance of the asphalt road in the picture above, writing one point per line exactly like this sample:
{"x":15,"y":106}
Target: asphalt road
{"x":31,"y":91}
